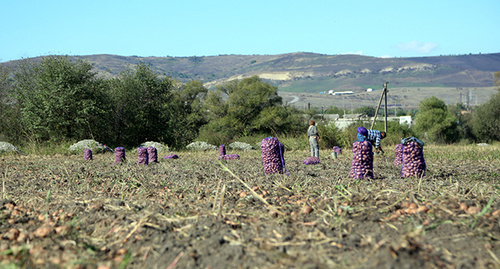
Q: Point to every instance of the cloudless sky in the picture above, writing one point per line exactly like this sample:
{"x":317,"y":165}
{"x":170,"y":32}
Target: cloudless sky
{"x":391,"y":28}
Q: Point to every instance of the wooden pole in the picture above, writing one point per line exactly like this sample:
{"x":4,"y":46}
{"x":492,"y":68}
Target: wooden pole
{"x":379,"y":103}
{"x":385,"y":108}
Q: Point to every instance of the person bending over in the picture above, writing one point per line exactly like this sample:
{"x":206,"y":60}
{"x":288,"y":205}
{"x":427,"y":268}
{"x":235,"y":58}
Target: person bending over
{"x":373,"y":136}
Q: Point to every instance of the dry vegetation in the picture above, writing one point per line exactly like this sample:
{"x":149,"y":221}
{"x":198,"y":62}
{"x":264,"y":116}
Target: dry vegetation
{"x":194,"y":212}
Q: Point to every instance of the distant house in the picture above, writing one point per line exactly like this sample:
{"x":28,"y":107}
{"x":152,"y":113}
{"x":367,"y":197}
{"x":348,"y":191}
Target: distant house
{"x":369,"y":90}
{"x":332,"y":92}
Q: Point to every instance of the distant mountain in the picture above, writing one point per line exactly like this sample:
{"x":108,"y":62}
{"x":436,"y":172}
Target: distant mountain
{"x":311,"y":72}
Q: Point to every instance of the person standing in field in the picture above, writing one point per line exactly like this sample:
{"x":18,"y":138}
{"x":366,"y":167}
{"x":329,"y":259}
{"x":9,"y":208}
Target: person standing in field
{"x":312,"y":134}
{"x":373,"y":136}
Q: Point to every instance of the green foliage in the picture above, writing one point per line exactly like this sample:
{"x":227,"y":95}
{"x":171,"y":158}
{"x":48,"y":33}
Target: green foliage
{"x":486,"y":120}
{"x":334,"y":110}
{"x":58,"y":98}
{"x":434,"y":122}
{"x":464,"y":122}
{"x":251,"y":107}
{"x":366,"y":110}
{"x":147,"y":107}
{"x":330,"y":136}
{"x":10,"y":126}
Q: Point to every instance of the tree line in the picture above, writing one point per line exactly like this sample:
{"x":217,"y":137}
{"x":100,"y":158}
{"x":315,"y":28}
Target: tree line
{"x":60,"y":98}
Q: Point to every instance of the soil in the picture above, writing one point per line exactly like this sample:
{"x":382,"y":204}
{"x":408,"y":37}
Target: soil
{"x":197,"y":212}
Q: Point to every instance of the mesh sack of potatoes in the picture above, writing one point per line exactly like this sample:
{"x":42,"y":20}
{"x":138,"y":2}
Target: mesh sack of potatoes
{"x":362,"y":160}
{"x":398,"y":154}
{"x":413,"y":160}
{"x":272,"y":155}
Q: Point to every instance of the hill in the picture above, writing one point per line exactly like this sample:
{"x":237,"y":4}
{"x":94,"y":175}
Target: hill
{"x":311,"y":73}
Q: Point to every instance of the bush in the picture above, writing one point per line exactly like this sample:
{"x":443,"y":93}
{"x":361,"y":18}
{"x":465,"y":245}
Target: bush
{"x":486,"y":123}
{"x":159,"y":146}
{"x":203,"y":146}
{"x":93,"y":145}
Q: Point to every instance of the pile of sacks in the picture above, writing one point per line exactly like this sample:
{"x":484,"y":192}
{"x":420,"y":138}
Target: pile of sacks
{"x":224,"y":156}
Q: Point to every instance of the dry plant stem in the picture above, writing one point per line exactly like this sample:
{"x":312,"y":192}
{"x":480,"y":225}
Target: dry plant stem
{"x":139,"y":224}
{"x":176,"y":260}
{"x":221,"y":203}
{"x":250,"y":189}
{"x":217,"y":191}
{"x":3,"y":182}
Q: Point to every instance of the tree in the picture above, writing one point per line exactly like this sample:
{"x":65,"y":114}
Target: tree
{"x":10,"y":126}
{"x":434,"y":122}
{"x":334,"y":110}
{"x":140,"y":106}
{"x":58,"y":97}
{"x":245,"y":107}
{"x":366,"y":110}
{"x":464,"y":121}
{"x":187,"y":101}
{"x":497,"y":78}
{"x":486,"y":120}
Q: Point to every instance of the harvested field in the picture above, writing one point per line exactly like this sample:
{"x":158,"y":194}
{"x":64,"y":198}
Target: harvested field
{"x":197,"y":212}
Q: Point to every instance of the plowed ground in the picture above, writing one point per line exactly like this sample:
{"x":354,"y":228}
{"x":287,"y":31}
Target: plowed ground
{"x":194,"y":212}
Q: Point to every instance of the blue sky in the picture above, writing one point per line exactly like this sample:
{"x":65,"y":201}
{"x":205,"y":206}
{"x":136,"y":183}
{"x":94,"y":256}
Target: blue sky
{"x":206,"y":28}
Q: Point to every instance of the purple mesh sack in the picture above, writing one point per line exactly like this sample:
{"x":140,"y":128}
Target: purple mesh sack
{"x":413,"y":160}
{"x":222,"y":151}
{"x":362,"y":130}
{"x":229,"y":157}
{"x":398,"y":154}
{"x":87,"y":154}
{"x":336,"y":149}
{"x":119,"y":155}
{"x":142,"y":153}
{"x":171,"y":156}
{"x":362,"y":160}
{"x":311,"y":160}
{"x":152,"y":155}
{"x":272,"y":155}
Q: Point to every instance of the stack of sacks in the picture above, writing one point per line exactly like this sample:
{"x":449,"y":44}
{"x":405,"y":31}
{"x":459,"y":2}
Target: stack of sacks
{"x":337,"y":150}
{"x":119,"y":155}
{"x":171,"y":156}
{"x":311,"y":160}
{"x":152,"y":155}
{"x":142,"y":153}
{"x":413,"y":160}
{"x":87,"y":154}
{"x":224,"y":156}
{"x":398,"y":154}
{"x":362,"y":160}
{"x":272,"y":155}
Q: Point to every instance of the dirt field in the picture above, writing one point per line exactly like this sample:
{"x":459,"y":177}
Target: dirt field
{"x":60,"y":211}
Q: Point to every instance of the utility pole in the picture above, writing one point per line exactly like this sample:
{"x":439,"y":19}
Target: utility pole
{"x":384,"y":93}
